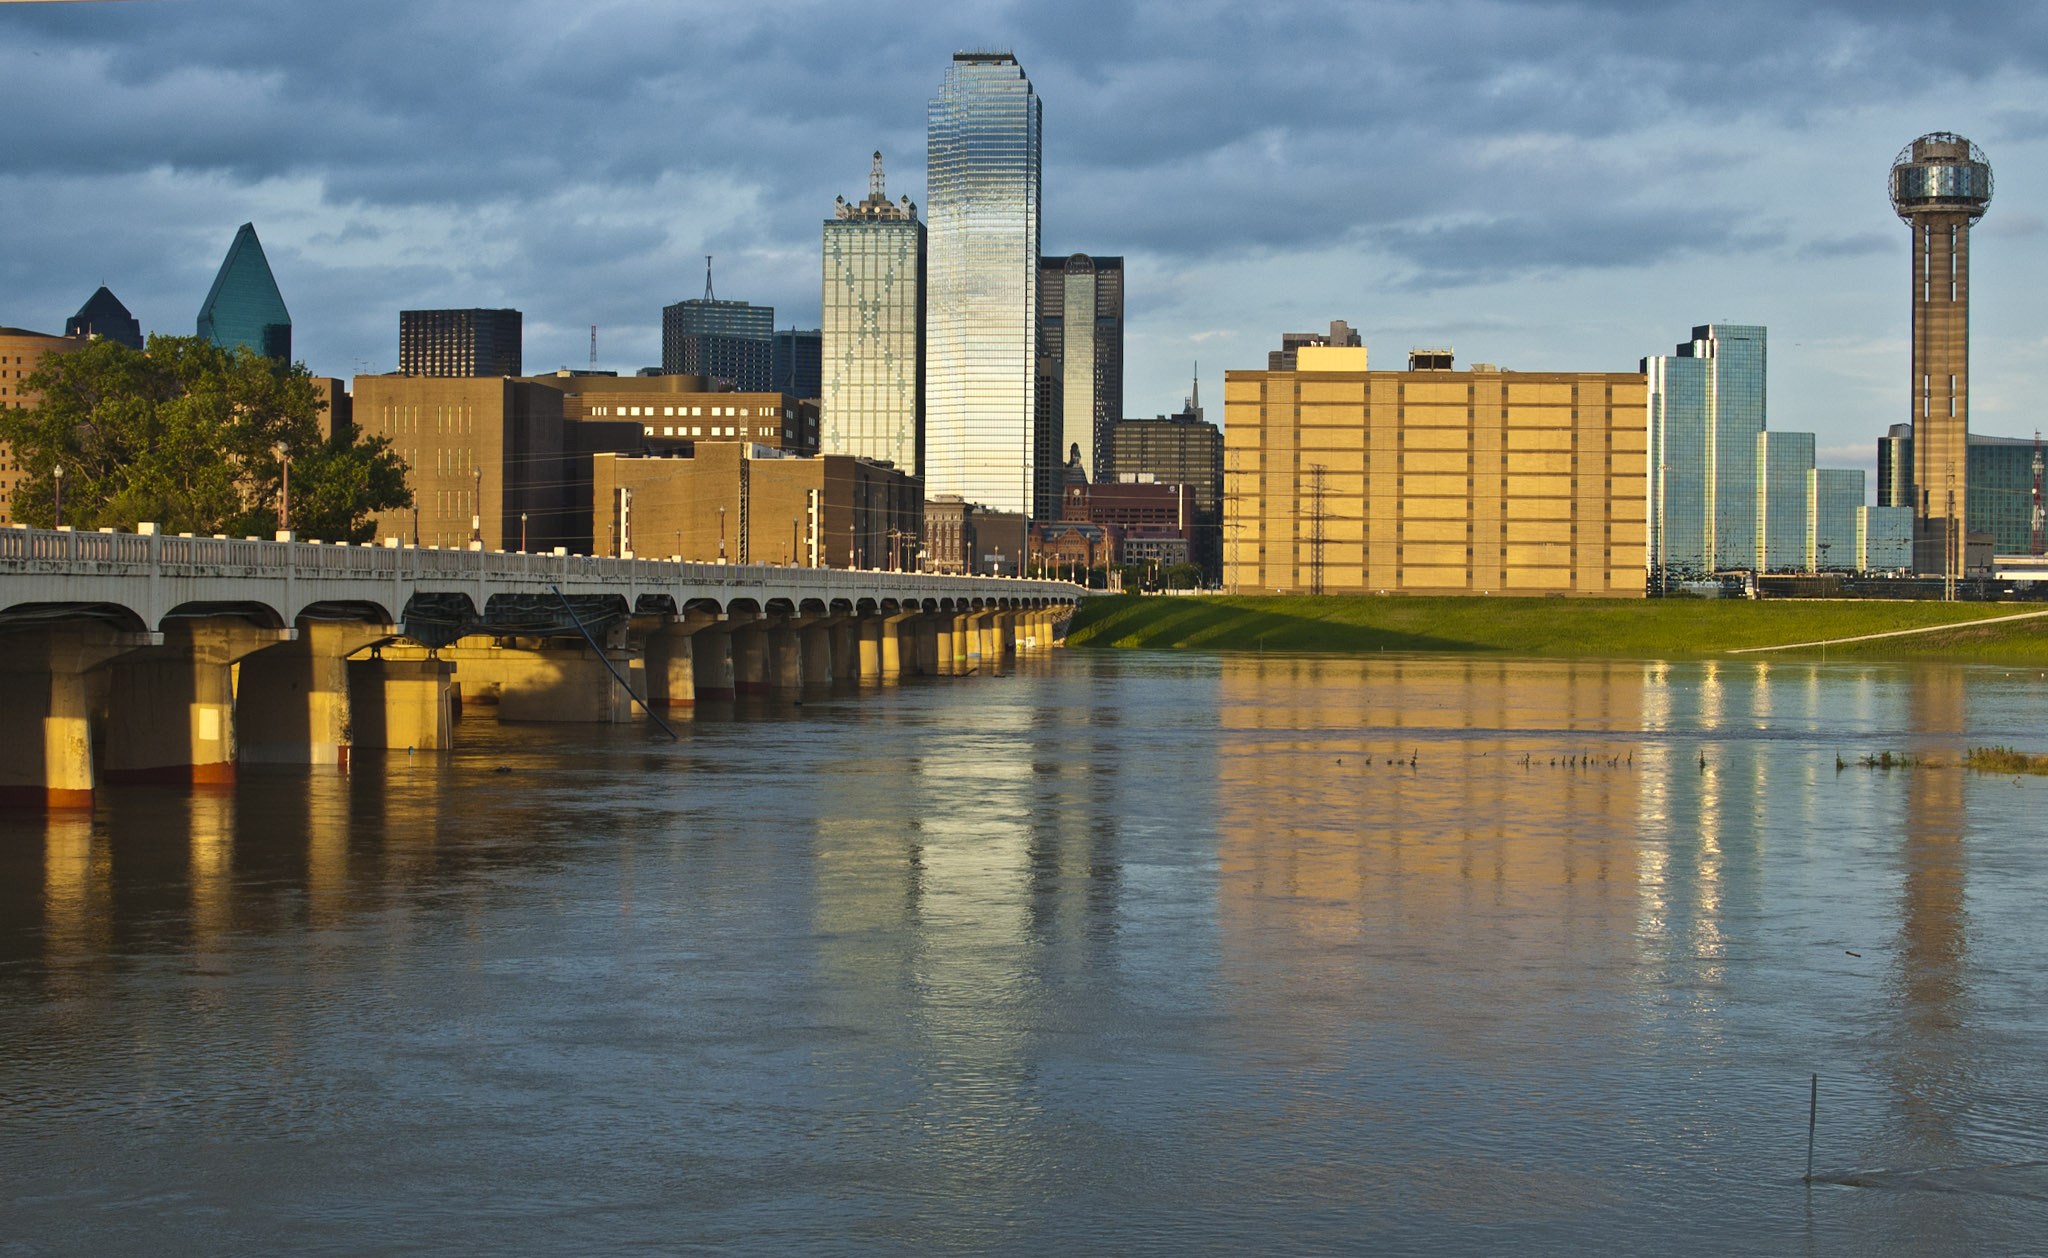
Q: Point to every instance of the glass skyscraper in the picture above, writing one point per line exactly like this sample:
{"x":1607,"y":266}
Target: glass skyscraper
{"x":873,"y":370}
{"x":727,"y":340}
{"x":1081,"y":329}
{"x":1706,"y":413}
{"x":1834,"y":503}
{"x":244,"y":307}
{"x":982,"y":166}
{"x":1784,"y":467}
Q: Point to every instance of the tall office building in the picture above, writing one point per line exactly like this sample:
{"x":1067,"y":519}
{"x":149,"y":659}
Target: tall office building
{"x":1834,"y":505}
{"x":1081,"y":330}
{"x":1941,"y":186}
{"x":873,"y":379}
{"x":460,"y":343}
{"x":244,"y":307}
{"x":728,"y":340}
{"x":103,"y":315}
{"x":1784,"y":468}
{"x":982,"y":166}
{"x":1706,"y":411}
{"x":1341,"y":334}
{"x":1998,"y":481}
{"x":797,"y":359}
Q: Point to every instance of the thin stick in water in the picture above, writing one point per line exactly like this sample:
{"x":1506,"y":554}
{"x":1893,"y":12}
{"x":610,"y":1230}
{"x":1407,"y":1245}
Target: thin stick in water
{"x":1812,"y":1113}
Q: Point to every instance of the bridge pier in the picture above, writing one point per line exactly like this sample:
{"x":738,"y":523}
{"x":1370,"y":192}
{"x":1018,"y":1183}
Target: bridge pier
{"x":671,"y":660}
{"x":711,"y":661}
{"x":899,"y":645}
{"x":871,"y":648}
{"x":786,"y":653}
{"x":402,"y":704}
{"x":292,"y":699}
{"x":846,"y":649}
{"x":567,"y":683}
{"x":171,"y":713}
{"x":750,"y":655}
{"x":815,"y":637}
{"x":46,"y":709}
{"x":927,"y":630}
{"x":942,"y":644}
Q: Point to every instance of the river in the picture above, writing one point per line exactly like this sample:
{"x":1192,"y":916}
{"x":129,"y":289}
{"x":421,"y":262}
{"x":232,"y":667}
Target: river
{"x":1121,"y":953}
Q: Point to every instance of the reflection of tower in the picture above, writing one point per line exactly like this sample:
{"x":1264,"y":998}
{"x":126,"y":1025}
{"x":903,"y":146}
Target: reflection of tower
{"x":1940,"y":185}
{"x":1931,"y":985}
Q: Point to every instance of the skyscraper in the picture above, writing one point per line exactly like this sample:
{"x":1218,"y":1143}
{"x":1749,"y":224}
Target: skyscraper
{"x":983,"y":134}
{"x":1081,"y":329}
{"x":1784,"y":468}
{"x":244,"y":307}
{"x":797,"y":359}
{"x":460,"y":343}
{"x":729,"y":340}
{"x":1940,"y":186}
{"x":1706,"y":410}
{"x":103,"y":315}
{"x":873,"y":365}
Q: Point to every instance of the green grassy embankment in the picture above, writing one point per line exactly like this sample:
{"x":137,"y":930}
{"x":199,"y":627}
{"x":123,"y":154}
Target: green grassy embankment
{"x":1612,"y":628}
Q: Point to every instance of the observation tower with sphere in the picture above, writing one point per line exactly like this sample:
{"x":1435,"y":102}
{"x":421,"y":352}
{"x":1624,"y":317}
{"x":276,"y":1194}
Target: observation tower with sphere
{"x":1940,"y":186}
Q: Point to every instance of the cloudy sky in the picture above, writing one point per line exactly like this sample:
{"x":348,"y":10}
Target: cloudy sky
{"x":1541,"y":185}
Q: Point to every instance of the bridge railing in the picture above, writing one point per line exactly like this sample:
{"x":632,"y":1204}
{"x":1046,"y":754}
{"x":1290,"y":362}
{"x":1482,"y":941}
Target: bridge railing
{"x":252,"y":556}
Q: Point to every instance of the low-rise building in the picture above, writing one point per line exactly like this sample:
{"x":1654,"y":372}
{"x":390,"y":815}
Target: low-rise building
{"x":1343,"y":480}
{"x":21,"y":352}
{"x":742,"y":502}
{"x":1072,"y":547}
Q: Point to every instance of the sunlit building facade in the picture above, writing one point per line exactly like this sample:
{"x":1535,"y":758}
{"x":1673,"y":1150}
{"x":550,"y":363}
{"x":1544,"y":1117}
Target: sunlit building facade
{"x":873,"y":370}
{"x":982,"y":169}
{"x":1707,"y":408}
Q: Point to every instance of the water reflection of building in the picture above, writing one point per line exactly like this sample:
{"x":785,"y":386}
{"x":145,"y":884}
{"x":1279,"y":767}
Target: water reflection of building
{"x":1930,"y":1051}
{"x":1478,"y":832}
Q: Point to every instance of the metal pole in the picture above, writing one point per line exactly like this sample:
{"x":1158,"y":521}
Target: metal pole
{"x":1812,"y":1115}
{"x":606,"y":660}
{"x":57,"y":479}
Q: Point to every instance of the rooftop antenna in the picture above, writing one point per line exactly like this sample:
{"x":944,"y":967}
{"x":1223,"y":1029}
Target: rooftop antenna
{"x":593,"y":347}
{"x":878,"y":188}
{"x":707,"y":279}
{"x":1195,"y":397}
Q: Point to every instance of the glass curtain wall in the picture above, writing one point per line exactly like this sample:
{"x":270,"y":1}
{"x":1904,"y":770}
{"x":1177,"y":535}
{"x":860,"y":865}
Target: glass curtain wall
{"x":1783,"y":461}
{"x":1706,"y":411}
{"x":1835,"y":499}
{"x":984,"y":131}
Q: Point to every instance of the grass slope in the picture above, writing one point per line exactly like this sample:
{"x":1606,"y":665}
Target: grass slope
{"x":1623,"y":628}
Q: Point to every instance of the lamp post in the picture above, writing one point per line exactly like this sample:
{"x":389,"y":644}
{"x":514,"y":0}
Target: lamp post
{"x":522,"y":532}
{"x":721,"y":534}
{"x":476,"y":519}
{"x":284,"y":505}
{"x":796,"y":556}
{"x":57,"y":479}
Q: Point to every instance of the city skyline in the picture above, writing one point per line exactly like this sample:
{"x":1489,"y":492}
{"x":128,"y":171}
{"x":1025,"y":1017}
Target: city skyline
{"x":1237,"y":223}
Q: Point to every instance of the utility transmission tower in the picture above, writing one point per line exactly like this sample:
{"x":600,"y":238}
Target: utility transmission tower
{"x":1316,"y":518}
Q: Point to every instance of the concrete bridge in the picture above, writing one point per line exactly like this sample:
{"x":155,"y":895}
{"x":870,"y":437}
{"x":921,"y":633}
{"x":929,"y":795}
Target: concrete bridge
{"x":141,"y":657}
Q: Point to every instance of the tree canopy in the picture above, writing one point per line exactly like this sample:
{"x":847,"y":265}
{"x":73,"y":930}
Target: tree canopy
{"x":186,"y":434}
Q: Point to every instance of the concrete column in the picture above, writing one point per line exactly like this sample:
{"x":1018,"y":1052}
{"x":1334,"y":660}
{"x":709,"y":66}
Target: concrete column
{"x":991,"y":654}
{"x":46,"y":711}
{"x":899,"y":645}
{"x":942,"y":644}
{"x":785,"y":654}
{"x":750,"y":658}
{"x":966,"y":641}
{"x":565,"y":683}
{"x":846,"y":649}
{"x":171,"y":713}
{"x":1006,"y":635}
{"x":1031,"y":632}
{"x":402,"y":704}
{"x":711,"y":661}
{"x":871,"y":648}
{"x":816,"y":639}
{"x":928,"y":645}
{"x":671,"y":660}
{"x":292,"y":699}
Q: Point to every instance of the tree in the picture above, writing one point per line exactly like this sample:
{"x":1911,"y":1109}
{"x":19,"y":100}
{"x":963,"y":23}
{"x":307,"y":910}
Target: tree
{"x":186,"y":434}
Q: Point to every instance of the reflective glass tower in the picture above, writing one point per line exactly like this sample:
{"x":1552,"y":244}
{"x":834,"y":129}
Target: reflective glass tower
{"x":1706,"y":411}
{"x":1784,"y":472}
{"x":982,"y":165}
{"x":1081,"y":329}
{"x":104,"y":315}
{"x":874,"y":346}
{"x":244,"y":307}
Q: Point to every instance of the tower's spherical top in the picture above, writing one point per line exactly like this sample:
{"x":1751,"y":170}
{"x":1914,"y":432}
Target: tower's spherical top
{"x":1940,"y":171}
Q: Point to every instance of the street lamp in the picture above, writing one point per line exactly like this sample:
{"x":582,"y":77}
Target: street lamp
{"x":57,"y":479}
{"x":795,"y":554}
{"x":721,"y":534}
{"x":522,"y":532}
{"x":284,"y":506}
{"x":476,"y":519}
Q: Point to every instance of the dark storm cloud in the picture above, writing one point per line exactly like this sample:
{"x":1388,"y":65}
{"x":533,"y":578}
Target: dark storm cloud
{"x":1461,"y":139}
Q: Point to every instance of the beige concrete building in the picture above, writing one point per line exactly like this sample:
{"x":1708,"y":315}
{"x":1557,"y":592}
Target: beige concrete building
{"x":673,"y":409}
{"x":1342,"y":480}
{"x":21,"y":352}
{"x":744,"y":503}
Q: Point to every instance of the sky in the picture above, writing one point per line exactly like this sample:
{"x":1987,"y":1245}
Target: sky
{"x":1544,"y":186}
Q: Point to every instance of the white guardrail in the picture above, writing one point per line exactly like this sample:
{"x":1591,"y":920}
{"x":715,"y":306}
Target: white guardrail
{"x":44,"y":550}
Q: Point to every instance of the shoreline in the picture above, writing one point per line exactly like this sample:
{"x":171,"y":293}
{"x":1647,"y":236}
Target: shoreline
{"x":1639,"y":629}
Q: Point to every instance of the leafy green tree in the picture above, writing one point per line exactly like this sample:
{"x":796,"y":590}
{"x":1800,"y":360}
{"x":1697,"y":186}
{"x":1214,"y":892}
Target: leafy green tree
{"x":186,"y":434}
